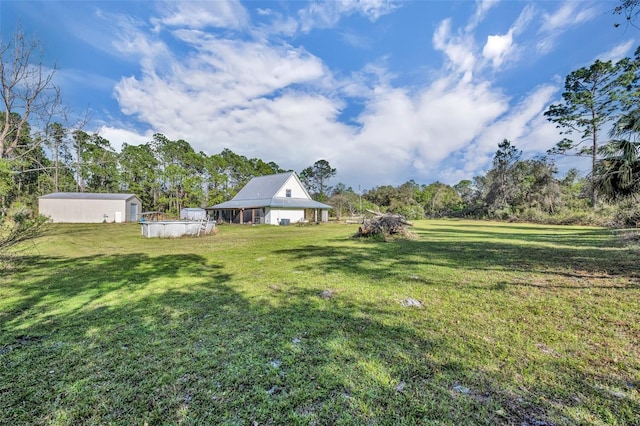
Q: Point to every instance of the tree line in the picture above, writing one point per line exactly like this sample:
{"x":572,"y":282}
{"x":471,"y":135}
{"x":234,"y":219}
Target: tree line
{"x":513,"y":189}
{"x":165,"y":174}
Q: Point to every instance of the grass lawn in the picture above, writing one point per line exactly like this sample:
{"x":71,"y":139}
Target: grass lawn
{"x":505,"y":324}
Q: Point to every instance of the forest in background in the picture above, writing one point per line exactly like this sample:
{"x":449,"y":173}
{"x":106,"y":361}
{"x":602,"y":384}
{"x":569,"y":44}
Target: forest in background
{"x":169,"y":175}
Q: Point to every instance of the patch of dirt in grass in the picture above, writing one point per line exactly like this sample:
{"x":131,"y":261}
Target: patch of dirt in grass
{"x":547,"y":350}
{"x":21,"y":341}
{"x":307,"y":410}
{"x":327,"y":294}
{"x":519,"y":412}
{"x":578,"y":279}
{"x":459,"y":390}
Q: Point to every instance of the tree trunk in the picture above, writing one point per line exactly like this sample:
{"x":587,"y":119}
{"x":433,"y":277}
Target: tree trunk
{"x":594,"y":160}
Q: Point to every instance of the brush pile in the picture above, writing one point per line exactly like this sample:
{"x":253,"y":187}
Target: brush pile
{"x":383,"y":225}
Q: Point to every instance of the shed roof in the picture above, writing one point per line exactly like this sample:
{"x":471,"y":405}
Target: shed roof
{"x":87,"y":196}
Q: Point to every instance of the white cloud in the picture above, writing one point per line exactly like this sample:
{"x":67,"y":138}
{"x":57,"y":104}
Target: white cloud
{"x":241,"y":95}
{"x":106,"y":32}
{"x":280,"y":103}
{"x":326,"y":14}
{"x":356,"y":40}
{"x":569,"y":14}
{"x":411,"y":133}
{"x":118,"y":136}
{"x":223,"y":74}
{"x":286,"y":26}
{"x":458,"y":49}
{"x":618,"y":52}
{"x":524,"y":19}
{"x":201,"y":14}
{"x":497,"y":48}
{"x":524,"y":125}
{"x":482,"y":7}
{"x":501,"y":48}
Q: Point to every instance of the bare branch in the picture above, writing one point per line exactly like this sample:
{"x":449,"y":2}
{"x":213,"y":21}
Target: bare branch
{"x":27,"y":90}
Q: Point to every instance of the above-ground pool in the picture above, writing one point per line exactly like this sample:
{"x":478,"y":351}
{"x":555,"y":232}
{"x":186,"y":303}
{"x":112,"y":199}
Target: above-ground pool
{"x":176,"y":228}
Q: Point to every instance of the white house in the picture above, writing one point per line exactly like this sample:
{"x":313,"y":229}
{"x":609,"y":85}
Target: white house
{"x":86,"y":207}
{"x":277,"y":199}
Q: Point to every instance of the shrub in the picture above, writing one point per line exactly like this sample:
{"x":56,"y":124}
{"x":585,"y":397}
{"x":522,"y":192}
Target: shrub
{"x":627,"y":215}
{"x":21,"y":224}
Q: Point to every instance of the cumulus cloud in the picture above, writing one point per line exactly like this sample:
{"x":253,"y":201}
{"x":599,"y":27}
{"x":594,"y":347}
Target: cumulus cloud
{"x":497,"y":48}
{"x":270,"y":101}
{"x":119,"y":136}
{"x":500,"y":48}
{"x":237,"y":94}
{"x":406,"y":133}
{"x":224,"y":74}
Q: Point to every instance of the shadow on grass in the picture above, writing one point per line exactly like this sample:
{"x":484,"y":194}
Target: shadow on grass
{"x":573,"y":260}
{"x":559,"y":236}
{"x":60,"y":280}
{"x":170,"y":339}
{"x":202,"y":353}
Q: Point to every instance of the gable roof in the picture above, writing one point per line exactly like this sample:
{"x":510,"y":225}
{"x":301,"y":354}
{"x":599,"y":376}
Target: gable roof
{"x":87,"y":196}
{"x":266,"y":186}
{"x":262,"y":191}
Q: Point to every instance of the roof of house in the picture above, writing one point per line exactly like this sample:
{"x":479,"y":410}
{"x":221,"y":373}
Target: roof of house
{"x":261,"y":192}
{"x":87,"y":196}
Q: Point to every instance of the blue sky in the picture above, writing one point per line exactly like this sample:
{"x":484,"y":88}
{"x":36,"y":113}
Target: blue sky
{"x":386,"y":91}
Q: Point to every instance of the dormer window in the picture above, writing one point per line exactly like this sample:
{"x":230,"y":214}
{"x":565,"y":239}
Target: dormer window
{"x":288,"y":193}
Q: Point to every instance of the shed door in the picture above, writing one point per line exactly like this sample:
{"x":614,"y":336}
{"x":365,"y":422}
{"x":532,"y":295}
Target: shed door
{"x":133,"y":215}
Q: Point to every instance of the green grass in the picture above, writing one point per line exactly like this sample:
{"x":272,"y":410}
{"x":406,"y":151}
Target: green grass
{"x":519,"y":324}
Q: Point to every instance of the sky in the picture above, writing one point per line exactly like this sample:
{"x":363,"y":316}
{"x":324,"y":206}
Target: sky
{"x":385,"y":91}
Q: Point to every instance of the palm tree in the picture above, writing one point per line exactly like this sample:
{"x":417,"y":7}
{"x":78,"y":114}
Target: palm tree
{"x":617,"y":173}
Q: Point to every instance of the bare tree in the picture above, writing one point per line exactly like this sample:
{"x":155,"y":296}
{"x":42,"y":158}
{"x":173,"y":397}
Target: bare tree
{"x":29,"y":96}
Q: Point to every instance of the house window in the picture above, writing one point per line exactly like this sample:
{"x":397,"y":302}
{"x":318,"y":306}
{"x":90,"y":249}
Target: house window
{"x":288,"y":192}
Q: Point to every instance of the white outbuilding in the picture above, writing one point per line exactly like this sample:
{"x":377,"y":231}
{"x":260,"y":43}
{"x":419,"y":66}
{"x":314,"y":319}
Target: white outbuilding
{"x":86,"y":207}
